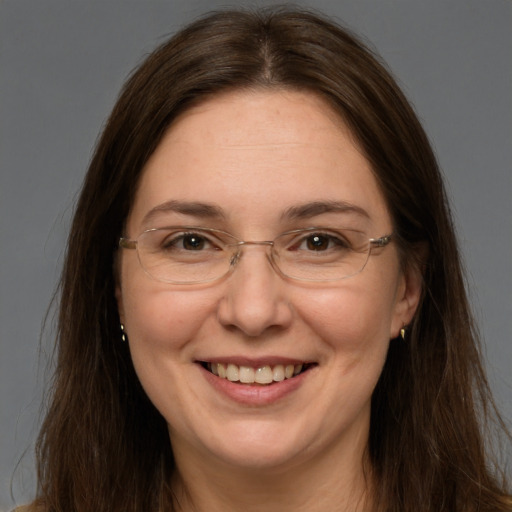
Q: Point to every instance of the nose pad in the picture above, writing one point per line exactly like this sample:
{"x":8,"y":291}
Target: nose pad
{"x":256,"y":295}
{"x":235,"y":258}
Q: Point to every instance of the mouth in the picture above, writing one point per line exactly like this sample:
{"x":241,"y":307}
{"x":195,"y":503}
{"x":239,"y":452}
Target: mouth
{"x":265,"y":375}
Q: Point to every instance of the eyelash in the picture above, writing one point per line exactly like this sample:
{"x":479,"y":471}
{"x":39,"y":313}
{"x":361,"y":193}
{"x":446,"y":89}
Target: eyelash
{"x":334,"y":241}
{"x":172,"y":242}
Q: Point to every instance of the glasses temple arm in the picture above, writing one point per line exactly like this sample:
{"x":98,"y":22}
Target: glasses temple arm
{"x":126,"y":243}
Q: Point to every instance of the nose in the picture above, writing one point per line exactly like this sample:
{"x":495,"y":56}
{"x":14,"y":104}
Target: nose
{"x":256,"y":298}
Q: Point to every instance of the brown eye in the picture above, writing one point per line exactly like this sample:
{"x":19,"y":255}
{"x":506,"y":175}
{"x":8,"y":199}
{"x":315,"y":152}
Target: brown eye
{"x":320,"y":242}
{"x":317,"y":242}
{"x":188,"y":242}
{"x":193,"y":242}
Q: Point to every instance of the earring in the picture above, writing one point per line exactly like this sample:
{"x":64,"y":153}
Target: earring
{"x":123,"y":334}
{"x":402,"y":333}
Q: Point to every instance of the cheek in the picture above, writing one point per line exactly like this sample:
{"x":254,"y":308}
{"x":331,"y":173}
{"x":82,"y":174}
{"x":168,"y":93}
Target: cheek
{"x":162,"y":328}
{"x":165,"y":319}
{"x":162,"y":324}
{"x":352,"y":317}
{"x":353,"y":323}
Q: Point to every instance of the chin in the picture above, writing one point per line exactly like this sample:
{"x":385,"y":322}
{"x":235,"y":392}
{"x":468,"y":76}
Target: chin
{"x":259,"y":455}
{"x":264,"y":443}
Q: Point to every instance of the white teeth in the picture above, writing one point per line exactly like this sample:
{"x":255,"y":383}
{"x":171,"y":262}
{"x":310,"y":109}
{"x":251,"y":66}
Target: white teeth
{"x":221,"y":370}
{"x":248,"y":375}
{"x":264,"y":375}
{"x":232,"y":372}
{"x":278,"y":373}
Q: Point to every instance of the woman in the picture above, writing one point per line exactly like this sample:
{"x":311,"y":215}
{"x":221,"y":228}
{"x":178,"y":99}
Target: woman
{"x":262,"y":302}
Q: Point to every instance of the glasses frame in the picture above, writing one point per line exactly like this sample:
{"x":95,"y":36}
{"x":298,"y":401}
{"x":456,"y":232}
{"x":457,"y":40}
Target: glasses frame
{"x":128,"y":243}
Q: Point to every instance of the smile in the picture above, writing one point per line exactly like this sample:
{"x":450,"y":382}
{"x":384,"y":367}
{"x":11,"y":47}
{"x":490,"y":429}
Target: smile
{"x":264,"y":375}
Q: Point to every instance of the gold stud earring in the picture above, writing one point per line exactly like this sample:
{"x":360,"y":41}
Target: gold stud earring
{"x":123,"y":334}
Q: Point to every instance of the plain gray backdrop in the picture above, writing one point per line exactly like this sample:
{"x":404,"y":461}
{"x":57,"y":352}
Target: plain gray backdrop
{"x":62,"y":64}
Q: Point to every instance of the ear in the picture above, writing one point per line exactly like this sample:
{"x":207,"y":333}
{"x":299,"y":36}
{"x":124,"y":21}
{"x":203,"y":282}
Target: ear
{"x":408,"y":296}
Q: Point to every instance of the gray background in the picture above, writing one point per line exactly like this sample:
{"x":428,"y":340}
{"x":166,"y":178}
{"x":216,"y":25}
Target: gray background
{"x":61,"y":66}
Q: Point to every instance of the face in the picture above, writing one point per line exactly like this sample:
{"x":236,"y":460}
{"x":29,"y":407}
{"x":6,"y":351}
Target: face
{"x":241,"y":163}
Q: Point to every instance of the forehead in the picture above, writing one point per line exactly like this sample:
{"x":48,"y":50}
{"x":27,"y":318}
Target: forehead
{"x":256,"y":154}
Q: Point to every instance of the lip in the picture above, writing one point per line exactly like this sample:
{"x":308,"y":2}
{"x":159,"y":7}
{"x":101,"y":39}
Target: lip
{"x":255,"y":394}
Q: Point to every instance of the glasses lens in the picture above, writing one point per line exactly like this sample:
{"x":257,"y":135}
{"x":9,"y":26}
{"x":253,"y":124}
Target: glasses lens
{"x":185,"y":255}
{"x":321,"y":254}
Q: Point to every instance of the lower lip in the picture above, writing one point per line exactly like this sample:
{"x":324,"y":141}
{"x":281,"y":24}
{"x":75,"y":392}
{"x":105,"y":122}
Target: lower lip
{"x":255,"y":394}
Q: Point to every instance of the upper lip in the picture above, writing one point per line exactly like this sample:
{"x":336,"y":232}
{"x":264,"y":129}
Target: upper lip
{"x":254,"y":362}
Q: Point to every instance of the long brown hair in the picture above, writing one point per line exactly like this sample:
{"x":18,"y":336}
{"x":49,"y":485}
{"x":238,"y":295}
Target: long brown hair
{"x":103,"y":445}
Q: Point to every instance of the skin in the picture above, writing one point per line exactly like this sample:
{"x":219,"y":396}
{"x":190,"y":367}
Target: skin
{"x":255,"y":154}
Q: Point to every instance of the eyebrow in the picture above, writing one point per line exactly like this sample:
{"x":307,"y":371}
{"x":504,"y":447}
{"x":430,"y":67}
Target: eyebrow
{"x":212,"y":211}
{"x":314,"y":208}
{"x":192,"y":208}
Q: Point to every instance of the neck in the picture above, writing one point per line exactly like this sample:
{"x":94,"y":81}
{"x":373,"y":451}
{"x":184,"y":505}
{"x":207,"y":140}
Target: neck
{"x":329,"y":481}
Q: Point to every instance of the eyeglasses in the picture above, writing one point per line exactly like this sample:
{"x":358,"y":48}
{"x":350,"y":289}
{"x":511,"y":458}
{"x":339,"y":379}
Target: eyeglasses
{"x":192,"y":255}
